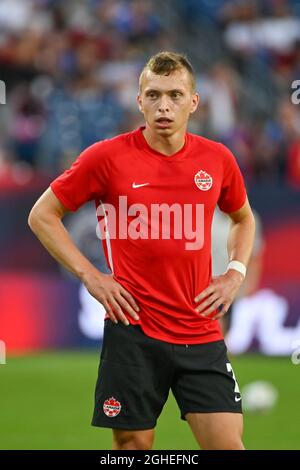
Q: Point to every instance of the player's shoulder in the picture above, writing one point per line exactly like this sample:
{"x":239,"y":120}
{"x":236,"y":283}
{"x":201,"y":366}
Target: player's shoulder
{"x":120,"y":140}
{"x":106,"y":150}
{"x":220,"y":150}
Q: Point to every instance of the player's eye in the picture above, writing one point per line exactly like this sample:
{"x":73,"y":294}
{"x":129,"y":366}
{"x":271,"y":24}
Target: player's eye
{"x":176,"y":95}
{"x":152,"y":95}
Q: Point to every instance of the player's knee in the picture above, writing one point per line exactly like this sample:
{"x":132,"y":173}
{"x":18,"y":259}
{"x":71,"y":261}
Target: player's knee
{"x":132,"y":440}
{"x":224,"y":443}
{"x":233,"y":444}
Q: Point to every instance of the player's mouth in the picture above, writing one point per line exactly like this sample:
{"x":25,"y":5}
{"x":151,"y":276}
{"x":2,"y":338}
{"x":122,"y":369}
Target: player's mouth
{"x":163,"y":122}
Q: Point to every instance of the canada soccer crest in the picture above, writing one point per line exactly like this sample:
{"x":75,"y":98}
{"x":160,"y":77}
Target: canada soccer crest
{"x":111,"y":407}
{"x":203,"y":180}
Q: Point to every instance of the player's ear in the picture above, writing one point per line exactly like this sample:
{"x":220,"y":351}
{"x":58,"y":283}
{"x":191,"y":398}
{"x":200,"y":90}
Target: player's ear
{"x":195,"y":102}
{"x":139,"y":102}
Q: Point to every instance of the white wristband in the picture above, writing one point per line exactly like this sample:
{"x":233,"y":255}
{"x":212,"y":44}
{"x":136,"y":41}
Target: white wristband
{"x":238,"y":266}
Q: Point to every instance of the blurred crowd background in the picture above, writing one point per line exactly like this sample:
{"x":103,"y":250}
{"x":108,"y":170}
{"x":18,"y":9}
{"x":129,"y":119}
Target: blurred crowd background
{"x":71,"y":73}
{"x":71,"y":70}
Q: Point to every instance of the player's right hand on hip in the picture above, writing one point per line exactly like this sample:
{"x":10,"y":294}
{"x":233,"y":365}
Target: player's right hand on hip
{"x":114,"y":298}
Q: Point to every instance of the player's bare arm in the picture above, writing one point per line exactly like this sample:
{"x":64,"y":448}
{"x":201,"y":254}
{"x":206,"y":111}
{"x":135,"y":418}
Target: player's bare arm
{"x":45,"y":220}
{"x":223,"y":289}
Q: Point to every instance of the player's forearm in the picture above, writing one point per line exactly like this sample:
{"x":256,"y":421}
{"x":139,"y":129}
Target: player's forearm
{"x":240,"y":239}
{"x":51,"y":232}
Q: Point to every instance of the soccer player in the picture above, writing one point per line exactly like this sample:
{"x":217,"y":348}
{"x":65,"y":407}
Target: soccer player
{"x":155,"y":191}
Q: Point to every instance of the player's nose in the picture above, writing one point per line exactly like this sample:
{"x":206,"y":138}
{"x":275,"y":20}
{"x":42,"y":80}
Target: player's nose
{"x":164,"y":104}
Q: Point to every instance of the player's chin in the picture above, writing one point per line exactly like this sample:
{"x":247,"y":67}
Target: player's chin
{"x":164,"y":131}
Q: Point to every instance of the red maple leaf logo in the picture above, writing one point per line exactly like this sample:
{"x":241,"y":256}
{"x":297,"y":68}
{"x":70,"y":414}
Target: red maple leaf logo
{"x":111,"y":407}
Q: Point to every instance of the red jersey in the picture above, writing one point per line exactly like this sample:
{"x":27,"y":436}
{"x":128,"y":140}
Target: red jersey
{"x":165,"y":201}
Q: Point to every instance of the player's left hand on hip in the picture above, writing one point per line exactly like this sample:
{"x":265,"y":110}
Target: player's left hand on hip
{"x":219,"y":294}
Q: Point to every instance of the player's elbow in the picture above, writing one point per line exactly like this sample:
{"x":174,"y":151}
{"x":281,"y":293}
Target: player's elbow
{"x":251,"y":221}
{"x":249,"y":224}
{"x":45,"y":214}
{"x":33,"y":219}
{"x":246,"y":219}
{"x":38,"y":217}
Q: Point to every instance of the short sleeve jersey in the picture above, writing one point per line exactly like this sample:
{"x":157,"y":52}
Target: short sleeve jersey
{"x":154,"y":214}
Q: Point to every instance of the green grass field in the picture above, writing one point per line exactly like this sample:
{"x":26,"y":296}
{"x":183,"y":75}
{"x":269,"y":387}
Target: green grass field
{"x":46,"y":402}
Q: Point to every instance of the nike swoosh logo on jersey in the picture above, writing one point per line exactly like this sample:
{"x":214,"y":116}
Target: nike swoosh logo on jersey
{"x":139,"y":185}
{"x":237,"y":398}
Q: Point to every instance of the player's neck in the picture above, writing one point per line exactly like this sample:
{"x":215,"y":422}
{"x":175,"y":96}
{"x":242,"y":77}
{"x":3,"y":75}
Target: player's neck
{"x":167,"y":145}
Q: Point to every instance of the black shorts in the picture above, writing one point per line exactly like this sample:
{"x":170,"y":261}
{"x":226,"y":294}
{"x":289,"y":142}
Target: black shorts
{"x":136,"y":373}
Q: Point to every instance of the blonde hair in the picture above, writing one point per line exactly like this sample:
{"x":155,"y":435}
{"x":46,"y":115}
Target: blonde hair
{"x":165,"y":63}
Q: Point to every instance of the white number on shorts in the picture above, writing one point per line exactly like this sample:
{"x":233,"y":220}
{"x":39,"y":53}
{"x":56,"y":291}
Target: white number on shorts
{"x":230,"y":369}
